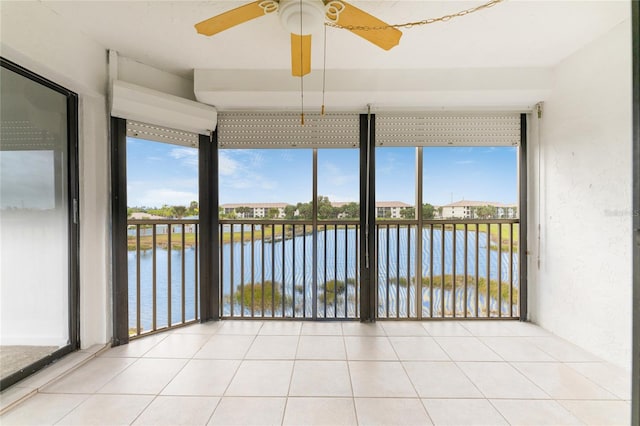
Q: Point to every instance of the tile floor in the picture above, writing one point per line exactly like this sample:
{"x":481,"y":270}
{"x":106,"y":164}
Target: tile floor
{"x":310,"y":373}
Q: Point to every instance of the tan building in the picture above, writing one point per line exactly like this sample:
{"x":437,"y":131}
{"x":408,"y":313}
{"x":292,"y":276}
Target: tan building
{"x":258,"y":210}
{"x":467,"y":209}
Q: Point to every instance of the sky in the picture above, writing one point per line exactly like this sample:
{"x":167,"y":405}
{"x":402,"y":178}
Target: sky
{"x":160,"y":174}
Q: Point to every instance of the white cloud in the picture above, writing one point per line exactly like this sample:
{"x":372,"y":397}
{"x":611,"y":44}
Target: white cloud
{"x":227,"y":166}
{"x":189,"y":156}
{"x":157,"y":197}
{"x":336,"y":177}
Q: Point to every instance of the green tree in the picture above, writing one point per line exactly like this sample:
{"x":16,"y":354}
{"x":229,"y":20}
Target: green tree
{"x":408,"y":213}
{"x":246,"y":212}
{"x":179,"y":211}
{"x":194,"y":209}
{"x":164,"y":211}
{"x":325,"y":209}
{"x":351,"y":210}
{"x":305,"y":211}
{"x":273,"y":213}
{"x":428,"y":211}
{"x":485,"y":212}
{"x":290,"y":212}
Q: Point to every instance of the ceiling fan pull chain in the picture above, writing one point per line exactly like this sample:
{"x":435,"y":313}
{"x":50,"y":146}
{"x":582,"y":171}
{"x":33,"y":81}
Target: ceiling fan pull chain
{"x":332,"y":19}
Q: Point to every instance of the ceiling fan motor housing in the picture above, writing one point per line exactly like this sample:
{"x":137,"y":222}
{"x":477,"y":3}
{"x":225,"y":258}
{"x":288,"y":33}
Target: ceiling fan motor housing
{"x":302,"y":17}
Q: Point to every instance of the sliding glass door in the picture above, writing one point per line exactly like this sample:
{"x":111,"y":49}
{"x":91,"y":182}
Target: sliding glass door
{"x":38,"y":223}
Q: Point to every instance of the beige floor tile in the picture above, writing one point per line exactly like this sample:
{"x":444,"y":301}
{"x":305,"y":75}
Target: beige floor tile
{"x":500,"y":380}
{"x":249,"y":412}
{"x":403,"y":328}
{"x":445,"y":328}
{"x":178,"y":411}
{"x":273,"y":347}
{"x":516,"y":349}
{"x":210,"y":327}
{"x":321,"y":329}
{"x":225,"y":347}
{"x":612,"y":378}
{"x":467,"y":349}
{"x":534,"y":413}
{"x":440,"y":380}
{"x":380,"y":379}
{"x":240,"y":327}
{"x":107,"y":410}
{"x":281,"y":328}
{"x":178,"y":346}
{"x":42,"y":409}
{"x":418,"y":349}
{"x":486,"y":328}
{"x":369,"y":348}
{"x":320,"y":378}
{"x":145,"y":376}
{"x":14,"y":395}
{"x":319,"y":411}
{"x":204,"y":377}
{"x":261,"y":378}
{"x":354,"y":328}
{"x":468,"y":412}
{"x":600,"y":413}
{"x":523,"y":329}
{"x":561,"y":382}
{"x":89,"y":377}
{"x":562,"y":350}
{"x":321,"y":347}
{"x":135,"y":348}
{"x":391,"y":411}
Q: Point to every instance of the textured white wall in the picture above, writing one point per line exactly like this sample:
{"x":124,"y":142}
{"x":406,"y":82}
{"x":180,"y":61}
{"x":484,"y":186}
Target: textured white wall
{"x":40,"y":40}
{"x":582,"y":289}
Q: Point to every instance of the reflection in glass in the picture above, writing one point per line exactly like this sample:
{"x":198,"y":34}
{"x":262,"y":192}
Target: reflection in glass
{"x":34,"y":229}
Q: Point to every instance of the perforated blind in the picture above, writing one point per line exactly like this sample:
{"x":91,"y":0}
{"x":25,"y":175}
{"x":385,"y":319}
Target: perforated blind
{"x":284,"y":130}
{"x":447,"y":129}
{"x":150,"y":132}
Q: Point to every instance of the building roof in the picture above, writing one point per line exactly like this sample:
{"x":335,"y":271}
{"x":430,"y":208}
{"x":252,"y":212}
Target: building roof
{"x":392,"y":204}
{"x":470,"y":203}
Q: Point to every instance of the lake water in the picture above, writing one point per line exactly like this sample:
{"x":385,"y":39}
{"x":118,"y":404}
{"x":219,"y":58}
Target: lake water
{"x":291,"y":262}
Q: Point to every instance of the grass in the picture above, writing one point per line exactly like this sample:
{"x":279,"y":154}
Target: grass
{"x":254,"y":299}
{"x":267,"y":233}
{"x":146,"y":242}
{"x":471,"y":283}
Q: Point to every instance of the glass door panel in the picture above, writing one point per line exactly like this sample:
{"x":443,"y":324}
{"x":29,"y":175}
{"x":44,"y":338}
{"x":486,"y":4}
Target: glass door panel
{"x":35,"y":266}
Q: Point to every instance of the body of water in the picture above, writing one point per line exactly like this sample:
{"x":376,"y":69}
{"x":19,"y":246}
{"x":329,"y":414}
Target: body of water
{"x":289,"y":264}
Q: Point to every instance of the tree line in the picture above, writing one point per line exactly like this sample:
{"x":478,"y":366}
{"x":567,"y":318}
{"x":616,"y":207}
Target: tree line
{"x":176,"y":212}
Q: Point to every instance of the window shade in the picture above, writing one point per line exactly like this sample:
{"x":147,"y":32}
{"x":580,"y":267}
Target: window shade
{"x":284,"y":130}
{"x":150,"y":132}
{"x":447,"y":129}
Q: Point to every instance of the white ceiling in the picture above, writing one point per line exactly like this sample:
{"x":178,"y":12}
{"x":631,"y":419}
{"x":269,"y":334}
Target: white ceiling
{"x":515,"y":34}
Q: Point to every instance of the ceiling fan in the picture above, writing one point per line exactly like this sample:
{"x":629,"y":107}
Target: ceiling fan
{"x":302,"y":18}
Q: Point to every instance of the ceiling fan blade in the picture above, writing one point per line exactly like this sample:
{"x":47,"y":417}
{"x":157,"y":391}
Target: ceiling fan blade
{"x":231,"y":18}
{"x":384,"y":38}
{"x":300,"y":55}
